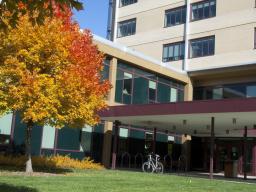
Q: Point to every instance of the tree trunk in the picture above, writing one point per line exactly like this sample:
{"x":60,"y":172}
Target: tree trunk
{"x":29,"y":168}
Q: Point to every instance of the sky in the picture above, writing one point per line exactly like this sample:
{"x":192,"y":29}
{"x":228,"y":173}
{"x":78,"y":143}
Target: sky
{"x":94,"y":16}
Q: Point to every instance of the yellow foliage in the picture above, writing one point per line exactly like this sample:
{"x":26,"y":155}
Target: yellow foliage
{"x":51,"y":162}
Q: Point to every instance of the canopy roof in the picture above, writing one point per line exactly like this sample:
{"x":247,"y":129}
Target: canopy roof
{"x":192,"y":117}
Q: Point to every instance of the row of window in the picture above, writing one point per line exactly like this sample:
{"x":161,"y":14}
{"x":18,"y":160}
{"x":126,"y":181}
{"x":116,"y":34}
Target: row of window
{"x":201,"y":10}
{"x":134,"y":86}
{"x":245,"y":90}
{"x":123,"y":3}
{"x":197,"y":48}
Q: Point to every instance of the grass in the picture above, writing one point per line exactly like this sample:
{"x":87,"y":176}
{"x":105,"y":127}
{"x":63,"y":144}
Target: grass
{"x":116,"y":181}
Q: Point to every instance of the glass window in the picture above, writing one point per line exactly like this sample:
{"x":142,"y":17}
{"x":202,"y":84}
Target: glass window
{"x":123,"y":132}
{"x":48,"y":137}
{"x":203,"y":10}
{"x":234,"y":91}
{"x":140,"y":91}
{"x":126,"y":28}
{"x":174,"y":95}
{"x":127,"y":2}
{"x":136,"y":86}
{"x":152,"y":92}
{"x":127,"y":89}
{"x":251,"y":91}
{"x":173,"y":52}
{"x":86,"y":139}
{"x":202,"y":47}
{"x":6,"y":124}
{"x":217,"y":93}
{"x":163,"y":93}
{"x":175,"y":16}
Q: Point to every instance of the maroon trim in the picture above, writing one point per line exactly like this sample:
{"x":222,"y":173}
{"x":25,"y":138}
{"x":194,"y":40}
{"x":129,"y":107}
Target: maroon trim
{"x":188,"y":107}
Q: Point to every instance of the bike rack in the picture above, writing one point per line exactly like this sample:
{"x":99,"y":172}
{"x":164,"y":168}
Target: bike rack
{"x":138,"y":155}
{"x":124,"y":155}
{"x":166,"y":157}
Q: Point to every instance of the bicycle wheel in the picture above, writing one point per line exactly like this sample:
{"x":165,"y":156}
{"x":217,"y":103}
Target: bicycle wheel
{"x":159,"y":168}
{"x":147,"y":167}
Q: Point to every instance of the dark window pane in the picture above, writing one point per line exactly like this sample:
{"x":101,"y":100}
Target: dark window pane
{"x":202,"y":47}
{"x":140,"y":91}
{"x":127,"y":2}
{"x":204,"y":9}
{"x":126,"y":28}
{"x":163,"y":93}
{"x":173,"y":52}
{"x":175,"y":16}
{"x":152,"y":91}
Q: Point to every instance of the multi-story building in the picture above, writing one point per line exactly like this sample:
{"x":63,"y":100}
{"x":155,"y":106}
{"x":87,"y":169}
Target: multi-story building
{"x":163,"y":53}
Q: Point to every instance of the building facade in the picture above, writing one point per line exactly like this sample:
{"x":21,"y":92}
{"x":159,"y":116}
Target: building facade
{"x":171,"y":54}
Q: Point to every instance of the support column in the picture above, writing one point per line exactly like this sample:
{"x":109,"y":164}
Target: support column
{"x":245,"y":153}
{"x":108,"y":127}
{"x":115,"y":143}
{"x":154,"y":141}
{"x":212,"y":148}
{"x":107,"y":142}
{"x":254,"y":159}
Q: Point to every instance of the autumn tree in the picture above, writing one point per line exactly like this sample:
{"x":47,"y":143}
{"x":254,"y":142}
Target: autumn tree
{"x":11,"y":9}
{"x":51,"y":75}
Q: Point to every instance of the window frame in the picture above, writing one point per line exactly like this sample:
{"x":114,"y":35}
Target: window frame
{"x":202,"y":2}
{"x":173,"y":44}
{"x":126,"y":21}
{"x":174,"y":9}
{"x":200,"y":39}
{"x":121,"y":5}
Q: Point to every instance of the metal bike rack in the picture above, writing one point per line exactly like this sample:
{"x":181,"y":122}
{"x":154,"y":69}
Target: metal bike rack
{"x":128,"y":156}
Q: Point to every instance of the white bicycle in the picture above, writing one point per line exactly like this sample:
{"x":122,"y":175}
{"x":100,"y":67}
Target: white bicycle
{"x":153,"y":165}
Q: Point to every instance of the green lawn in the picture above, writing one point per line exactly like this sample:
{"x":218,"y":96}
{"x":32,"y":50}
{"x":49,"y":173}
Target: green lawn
{"x":117,"y":181}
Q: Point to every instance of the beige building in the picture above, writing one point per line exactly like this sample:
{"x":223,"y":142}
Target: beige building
{"x":230,"y":23}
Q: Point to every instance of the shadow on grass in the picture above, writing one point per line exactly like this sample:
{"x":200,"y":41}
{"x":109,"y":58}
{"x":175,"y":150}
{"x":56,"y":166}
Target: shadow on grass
{"x":37,"y":169}
{"x":11,"y":188}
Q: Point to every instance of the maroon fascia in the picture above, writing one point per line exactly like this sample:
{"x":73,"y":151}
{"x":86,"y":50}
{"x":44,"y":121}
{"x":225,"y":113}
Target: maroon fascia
{"x":187,"y":107}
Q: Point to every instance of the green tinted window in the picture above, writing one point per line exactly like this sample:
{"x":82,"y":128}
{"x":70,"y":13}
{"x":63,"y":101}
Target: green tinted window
{"x":163,"y":93}
{"x":137,"y":134}
{"x":68,"y":138}
{"x":140,"y":90}
{"x":48,"y":137}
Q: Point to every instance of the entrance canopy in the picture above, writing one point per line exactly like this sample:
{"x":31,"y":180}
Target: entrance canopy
{"x":192,"y":117}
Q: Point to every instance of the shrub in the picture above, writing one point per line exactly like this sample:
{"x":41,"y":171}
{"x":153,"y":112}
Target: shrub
{"x":51,"y":162}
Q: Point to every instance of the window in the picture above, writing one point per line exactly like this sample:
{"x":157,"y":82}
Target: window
{"x":174,"y":95}
{"x":127,"y":89}
{"x":48,"y":137}
{"x":126,"y":28}
{"x":175,"y":16}
{"x":137,"y":86}
{"x":127,"y":2}
{"x":152,"y":92}
{"x":202,"y":47}
{"x":173,"y":52}
{"x":5,"y":129}
{"x":203,"y":10}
